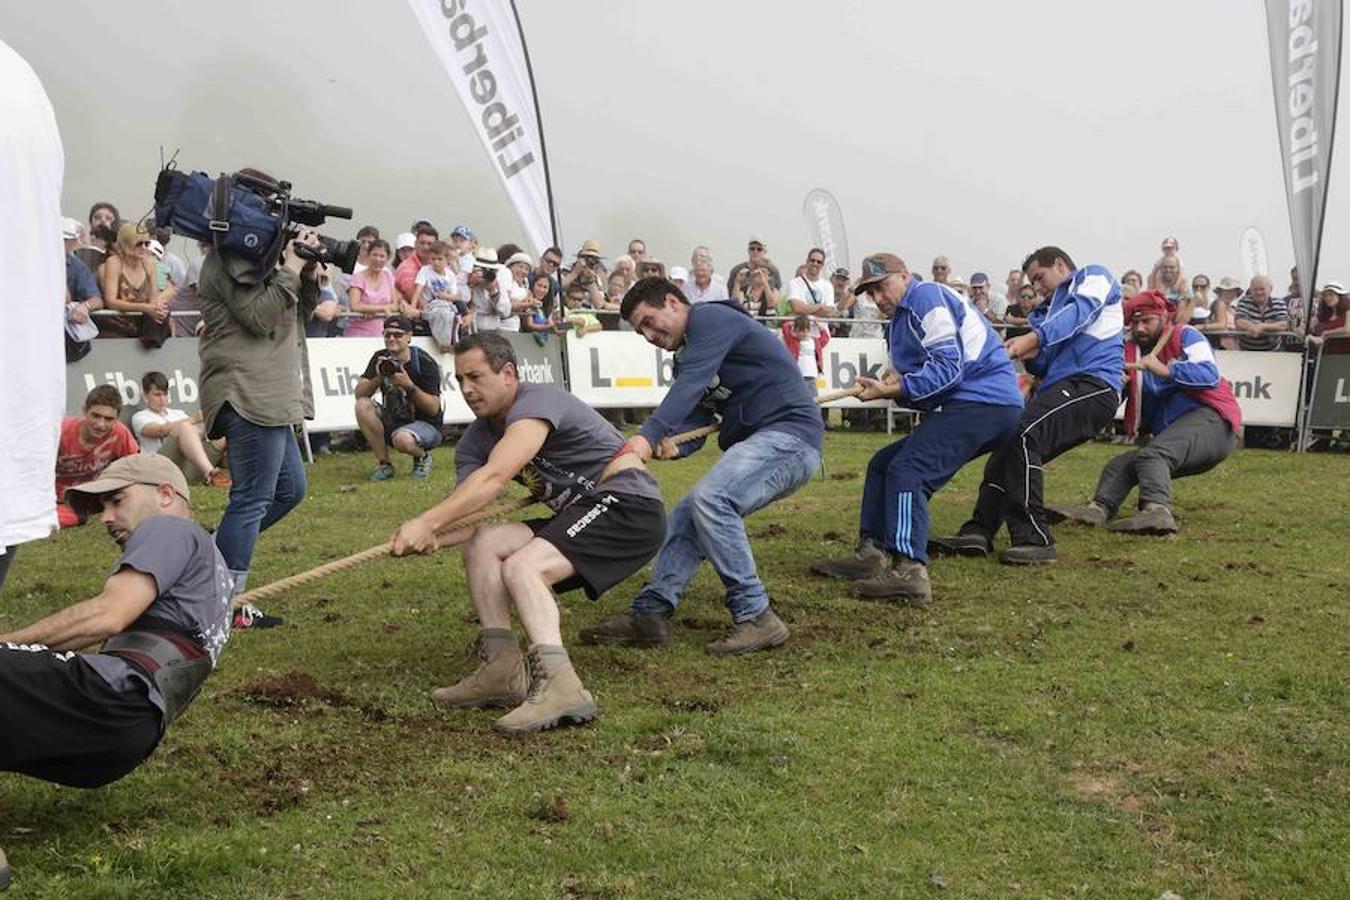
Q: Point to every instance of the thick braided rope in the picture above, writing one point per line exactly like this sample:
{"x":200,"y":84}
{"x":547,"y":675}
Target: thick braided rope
{"x":348,"y":562}
{"x":685,"y":437}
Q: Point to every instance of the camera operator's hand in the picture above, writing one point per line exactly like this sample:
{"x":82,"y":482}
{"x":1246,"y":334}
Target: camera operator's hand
{"x":293,"y":261}
{"x":401,"y":379}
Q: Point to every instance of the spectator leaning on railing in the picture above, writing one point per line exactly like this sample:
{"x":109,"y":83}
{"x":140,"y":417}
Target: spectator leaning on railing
{"x":1328,"y":329}
{"x":104,"y":220}
{"x":371,"y":293}
{"x":810,"y":293}
{"x":128,"y":284}
{"x":1260,"y":317}
{"x":82,"y":297}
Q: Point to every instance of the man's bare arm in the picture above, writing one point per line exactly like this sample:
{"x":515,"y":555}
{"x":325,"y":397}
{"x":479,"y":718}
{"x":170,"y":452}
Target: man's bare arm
{"x":125,"y":596}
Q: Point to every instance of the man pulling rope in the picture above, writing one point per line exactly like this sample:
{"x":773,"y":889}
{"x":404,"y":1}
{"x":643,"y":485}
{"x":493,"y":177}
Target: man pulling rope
{"x":602,"y":530}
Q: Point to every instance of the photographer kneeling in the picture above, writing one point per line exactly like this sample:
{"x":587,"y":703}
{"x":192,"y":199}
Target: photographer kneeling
{"x":408,"y":416}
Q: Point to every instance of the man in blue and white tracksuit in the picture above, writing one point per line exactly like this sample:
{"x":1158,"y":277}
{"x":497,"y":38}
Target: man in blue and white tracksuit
{"x":951,"y":365}
{"x":1075,"y":348}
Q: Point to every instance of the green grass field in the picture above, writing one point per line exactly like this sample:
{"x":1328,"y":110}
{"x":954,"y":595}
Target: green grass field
{"x":1146,"y":716}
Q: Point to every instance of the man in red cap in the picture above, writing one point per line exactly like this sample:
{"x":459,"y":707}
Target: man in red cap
{"x":1176,"y":394}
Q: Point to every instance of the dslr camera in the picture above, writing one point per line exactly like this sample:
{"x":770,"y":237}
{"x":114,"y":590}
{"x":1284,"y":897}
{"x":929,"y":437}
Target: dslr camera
{"x":249,"y":215}
{"x":388,"y":366}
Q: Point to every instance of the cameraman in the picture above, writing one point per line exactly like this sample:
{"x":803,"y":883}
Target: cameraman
{"x":254,"y":392}
{"x":409,"y":414}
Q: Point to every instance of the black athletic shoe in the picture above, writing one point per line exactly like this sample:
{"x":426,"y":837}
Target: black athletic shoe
{"x":249,"y":616}
{"x":960,"y":545}
{"x":1028,"y":555}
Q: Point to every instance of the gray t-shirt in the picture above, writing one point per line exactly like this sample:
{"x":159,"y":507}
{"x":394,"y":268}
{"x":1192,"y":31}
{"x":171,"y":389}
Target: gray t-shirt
{"x":195,"y":590}
{"x":578,"y":447}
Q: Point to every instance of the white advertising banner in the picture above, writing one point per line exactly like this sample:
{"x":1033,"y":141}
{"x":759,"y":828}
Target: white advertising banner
{"x":480,"y":45}
{"x":618,"y":369}
{"x":1265,"y":384}
{"x":336,"y":364}
{"x":609,"y":369}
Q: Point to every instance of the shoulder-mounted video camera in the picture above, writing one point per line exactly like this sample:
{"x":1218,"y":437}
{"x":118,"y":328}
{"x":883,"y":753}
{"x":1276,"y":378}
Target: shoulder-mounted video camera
{"x":248,"y":215}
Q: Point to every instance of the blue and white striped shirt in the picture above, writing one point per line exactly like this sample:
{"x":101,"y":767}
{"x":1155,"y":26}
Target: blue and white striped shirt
{"x":945,"y":350}
{"x":1165,"y":399}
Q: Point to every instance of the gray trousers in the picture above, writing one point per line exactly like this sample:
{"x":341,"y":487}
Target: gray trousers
{"x":1195,"y":443}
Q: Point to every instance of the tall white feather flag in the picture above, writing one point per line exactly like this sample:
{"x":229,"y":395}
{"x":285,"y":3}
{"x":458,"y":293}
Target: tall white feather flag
{"x":481,"y":46}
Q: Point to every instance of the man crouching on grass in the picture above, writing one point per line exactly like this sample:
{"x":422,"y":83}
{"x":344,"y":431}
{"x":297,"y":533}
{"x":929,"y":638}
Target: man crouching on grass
{"x":87,"y":719}
{"x":598,"y":534}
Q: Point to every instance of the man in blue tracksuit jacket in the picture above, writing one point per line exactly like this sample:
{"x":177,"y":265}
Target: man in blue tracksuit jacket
{"x":952,"y":366}
{"x":728,"y":366}
{"x":1076,"y":349}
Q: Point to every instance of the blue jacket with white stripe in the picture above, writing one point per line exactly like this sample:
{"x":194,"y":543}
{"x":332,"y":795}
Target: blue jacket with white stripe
{"x":1081,"y":330}
{"x":1165,"y":399}
{"x":945,"y":350}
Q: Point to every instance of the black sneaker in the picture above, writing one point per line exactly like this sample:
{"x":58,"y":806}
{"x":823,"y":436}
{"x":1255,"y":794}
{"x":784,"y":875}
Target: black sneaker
{"x":960,"y":545}
{"x":1028,"y":555}
{"x":249,"y":616}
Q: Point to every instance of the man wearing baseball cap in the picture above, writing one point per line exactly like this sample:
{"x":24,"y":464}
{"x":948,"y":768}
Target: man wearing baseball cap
{"x":1175,"y":394}
{"x":86,"y":719}
{"x":951,"y":365}
{"x":408,"y":414}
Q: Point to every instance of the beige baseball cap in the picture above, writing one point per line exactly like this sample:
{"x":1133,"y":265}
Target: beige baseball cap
{"x":138,"y":468}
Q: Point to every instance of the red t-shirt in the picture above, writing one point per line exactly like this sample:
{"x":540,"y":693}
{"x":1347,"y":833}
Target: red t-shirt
{"x":77,"y":463}
{"x":405,"y":276}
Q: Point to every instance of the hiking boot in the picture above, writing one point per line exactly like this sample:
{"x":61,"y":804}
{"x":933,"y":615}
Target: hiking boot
{"x":868,"y":562}
{"x":249,"y":616}
{"x":383,"y":472}
{"x":421,"y":468}
{"x":499,"y":680}
{"x":960,"y":545}
{"x":1154,"y":518}
{"x":1090,"y":513}
{"x":760,"y":633}
{"x":630,"y":630}
{"x":4,"y":871}
{"x":1028,"y":555}
{"x":905,"y":582}
{"x":556,"y":696}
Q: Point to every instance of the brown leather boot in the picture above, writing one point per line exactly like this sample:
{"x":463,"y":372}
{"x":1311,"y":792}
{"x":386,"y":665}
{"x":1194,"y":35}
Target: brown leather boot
{"x":556,"y":696}
{"x":499,"y":680}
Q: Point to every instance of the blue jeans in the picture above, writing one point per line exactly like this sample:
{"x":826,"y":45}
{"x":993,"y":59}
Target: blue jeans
{"x":709,"y":523}
{"x":902,"y":476}
{"x":268,"y":482}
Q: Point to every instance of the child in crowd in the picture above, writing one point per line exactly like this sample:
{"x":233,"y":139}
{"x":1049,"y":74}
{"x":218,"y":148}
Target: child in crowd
{"x":806,"y":339}
{"x":174,"y":434}
{"x":88,"y":443}
{"x":436,"y":296}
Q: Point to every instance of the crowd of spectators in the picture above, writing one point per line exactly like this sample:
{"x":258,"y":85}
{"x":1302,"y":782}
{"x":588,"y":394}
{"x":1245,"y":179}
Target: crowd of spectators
{"x":122,"y":281}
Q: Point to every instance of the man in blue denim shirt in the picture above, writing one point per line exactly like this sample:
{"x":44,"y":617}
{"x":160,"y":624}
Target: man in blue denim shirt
{"x":951,"y":366}
{"x":1075,"y":348}
{"x":733,"y":367}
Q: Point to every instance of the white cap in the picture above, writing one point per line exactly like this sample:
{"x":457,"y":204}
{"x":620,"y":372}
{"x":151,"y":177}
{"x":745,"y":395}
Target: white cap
{"x":679,"y":273}
{"x":406,"y":239}
{"x":156,"y":249}
{"x":70,"y":228}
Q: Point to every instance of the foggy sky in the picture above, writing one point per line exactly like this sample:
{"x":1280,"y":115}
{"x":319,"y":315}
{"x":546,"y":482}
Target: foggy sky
{"x":978,"y":130}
